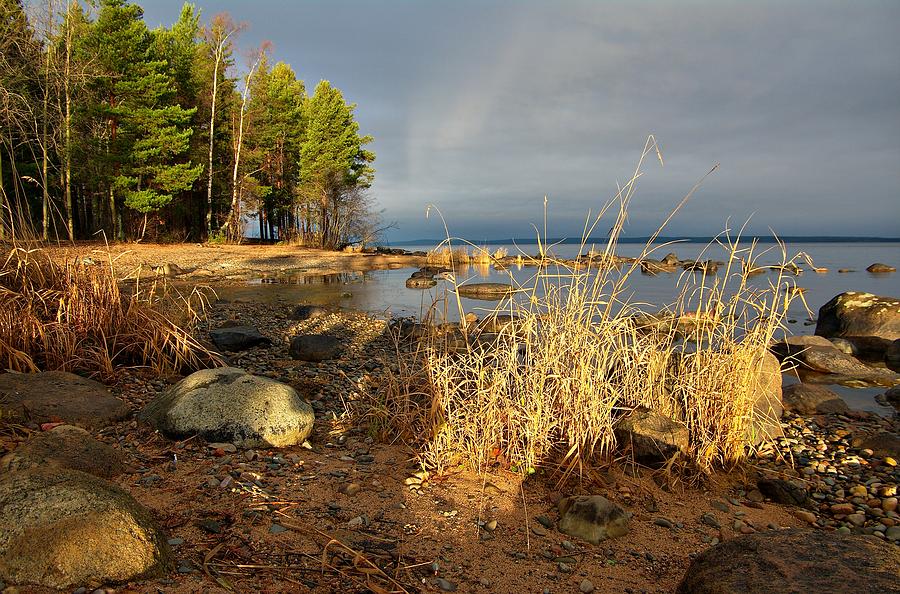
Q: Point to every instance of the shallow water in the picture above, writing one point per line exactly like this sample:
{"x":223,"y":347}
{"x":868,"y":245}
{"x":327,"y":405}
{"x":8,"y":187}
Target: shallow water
{"x":383,"y":292}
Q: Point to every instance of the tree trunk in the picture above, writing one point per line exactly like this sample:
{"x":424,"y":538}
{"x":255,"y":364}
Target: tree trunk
{"x":67,"y":168}
{"x":212,"y":128}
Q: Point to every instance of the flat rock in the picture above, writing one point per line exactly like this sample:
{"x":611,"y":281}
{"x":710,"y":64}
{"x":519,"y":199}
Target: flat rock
{"x":795,"y":344}
{"x":230,"y":405}
{"x":486,"y":291}
{"x":238,"y":338}
{"x":315,"y":347}
{"x":795,"y":560}
{"x":879,"y":268}
{"x":593,"y":518}
{"x":812,"y":399}
{"x":835,"y":362}
{"x":58,"y":396}
{"x":860,"y":314}
{"x":782,"y":491}
{"x":66,"y":447}
{"x":64,"y":528}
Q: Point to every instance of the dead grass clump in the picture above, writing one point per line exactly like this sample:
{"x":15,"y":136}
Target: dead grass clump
{"x":552,"y":386}
{"x":77,"y":317}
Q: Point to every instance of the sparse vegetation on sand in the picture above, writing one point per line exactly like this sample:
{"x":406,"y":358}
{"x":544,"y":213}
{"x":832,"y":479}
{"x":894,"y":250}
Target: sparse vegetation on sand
{"x":577,"y":354}
{"x":77,"y":316}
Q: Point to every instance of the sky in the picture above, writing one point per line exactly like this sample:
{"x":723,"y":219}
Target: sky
{"x":483,"y":108}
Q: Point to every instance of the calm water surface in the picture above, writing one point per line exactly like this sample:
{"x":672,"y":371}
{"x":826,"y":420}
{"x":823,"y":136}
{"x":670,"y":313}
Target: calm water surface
{"x":383,"y":292}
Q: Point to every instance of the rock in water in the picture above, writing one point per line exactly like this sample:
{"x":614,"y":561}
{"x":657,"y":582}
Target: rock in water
{"x":63,"y":528}
{"x":66,"y":447}
{"x":879,"y":268}
{"x":420,"y":282}
{"x":229,"y":405}
{"x":592,"y":518}
{"x":308,"y":312}
{"x":486,"y":291}
{"x":238,"y":338}
{"x":654,"y":438}
{"x":795,"y":560}
{"x":860,"y":314}
{"x":58,"y":395}
{"x":315,"y":347}
{"x":811,"y":399}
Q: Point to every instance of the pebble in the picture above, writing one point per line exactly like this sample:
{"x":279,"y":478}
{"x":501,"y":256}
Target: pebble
{"x":277,"y":529}
{"x":664,"y":523}
{"x":491,"y":526}
{"x":586,"y":586}
{"x":539,"y":530}
{"x":445,"y":585}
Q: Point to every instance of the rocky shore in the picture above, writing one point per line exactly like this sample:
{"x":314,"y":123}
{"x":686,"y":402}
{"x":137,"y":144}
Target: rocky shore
{"x":259,"y":506}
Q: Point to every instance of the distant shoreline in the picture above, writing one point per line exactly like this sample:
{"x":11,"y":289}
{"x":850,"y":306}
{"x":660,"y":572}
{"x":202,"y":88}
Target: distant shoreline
{"x":766,"y":239}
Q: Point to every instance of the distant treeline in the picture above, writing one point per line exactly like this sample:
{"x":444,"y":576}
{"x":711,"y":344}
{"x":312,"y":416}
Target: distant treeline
{"x":106,"y":125}
{"x":767,"y":239}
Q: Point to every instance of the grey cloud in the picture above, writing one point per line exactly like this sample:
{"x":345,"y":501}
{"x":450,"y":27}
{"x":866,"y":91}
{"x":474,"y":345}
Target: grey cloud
{"x":482,"y":108}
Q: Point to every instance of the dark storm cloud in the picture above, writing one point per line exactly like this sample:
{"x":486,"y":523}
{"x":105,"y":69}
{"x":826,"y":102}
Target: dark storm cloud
{"x":482,"y":108}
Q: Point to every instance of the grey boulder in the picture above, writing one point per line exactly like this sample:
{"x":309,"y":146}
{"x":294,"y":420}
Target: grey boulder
{"x":812,"y":399}
{"x":315,"y":347}
{"x":860,"y":314}
{"x":229,"y":405}
{"x":238,"y":338}
{"x":593,"y":518}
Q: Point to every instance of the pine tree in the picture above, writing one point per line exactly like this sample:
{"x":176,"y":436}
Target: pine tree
{"x":334,"y":165}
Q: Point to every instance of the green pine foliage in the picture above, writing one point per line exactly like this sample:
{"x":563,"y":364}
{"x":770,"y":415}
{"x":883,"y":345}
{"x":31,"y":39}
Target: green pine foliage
{"x":127,"y":116}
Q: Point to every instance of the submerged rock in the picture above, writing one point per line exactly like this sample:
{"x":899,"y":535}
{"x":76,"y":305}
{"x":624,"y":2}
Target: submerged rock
{"x":593,"y":518}
{"x":860,"y":314}
{"x":795,"y":560}
{"x":58,"y":396}
{"x":63,"y":528}
{"x":420,"y":282}
{"x":66,"y":447}
{"x":229,"y":405}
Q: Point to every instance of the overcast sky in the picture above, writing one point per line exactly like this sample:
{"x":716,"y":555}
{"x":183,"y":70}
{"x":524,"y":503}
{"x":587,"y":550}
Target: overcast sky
{"x":481,"y":108}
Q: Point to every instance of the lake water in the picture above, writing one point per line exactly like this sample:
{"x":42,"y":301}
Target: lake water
{"x":383,"y":292}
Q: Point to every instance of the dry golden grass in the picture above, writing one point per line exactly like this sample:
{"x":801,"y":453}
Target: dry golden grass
{"x":78,"y":317}
{"x":549,"y":387}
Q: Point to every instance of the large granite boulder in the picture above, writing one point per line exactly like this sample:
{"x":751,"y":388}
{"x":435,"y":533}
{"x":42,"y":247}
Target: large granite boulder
{"x":238,"y":338}
{"x":58,"y":396}
{"x":812,"y":399}
{"x":229,"y":405}
{"x":66,"y":447}
{"x":593,"y":518}
{"x":860,"y":314}
{"x":63,"y":528}
{"x":795,"y":560}
{"x":793,"y":345}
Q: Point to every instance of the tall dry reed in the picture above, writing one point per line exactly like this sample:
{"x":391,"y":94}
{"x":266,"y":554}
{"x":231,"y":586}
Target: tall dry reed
{"x":576,"y":353}
{"x":77,"y":316}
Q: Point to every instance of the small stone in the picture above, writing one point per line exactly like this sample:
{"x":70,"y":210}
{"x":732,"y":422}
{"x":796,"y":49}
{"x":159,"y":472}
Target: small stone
{"x":350,"y":489}
{"x":857,"y":519}
{"x":491,"y":526}
{"x":445,"y":585}
{"x":544,"y":521}
{"x":277,"y":529}
{"x":710,"y":520}
{"x":586,"y":586}
{"x":806,"y":516}
{"x":175,"y":542}
{"x":664,"y":523}
{"x":890,"y":461}
{"x":539,"y":530}
{"x":889,"y":504}
{"x":225,"y":447}
{"x":211,"y":526}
